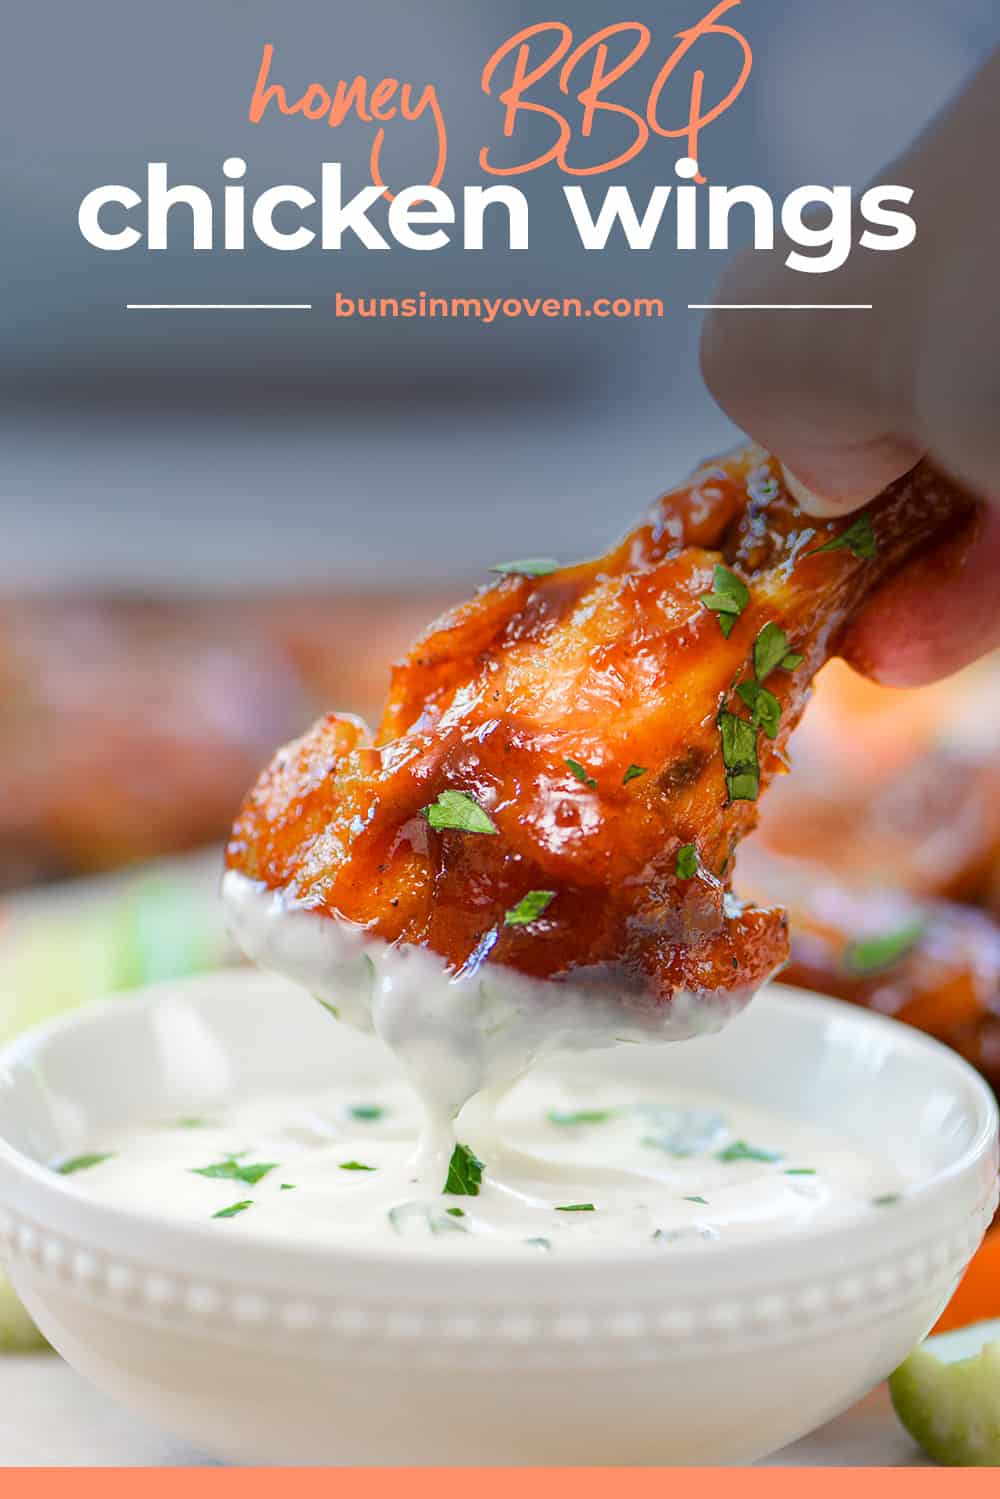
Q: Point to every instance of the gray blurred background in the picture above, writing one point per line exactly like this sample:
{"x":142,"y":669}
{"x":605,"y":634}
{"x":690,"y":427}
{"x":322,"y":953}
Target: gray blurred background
{"x":200,"y":449}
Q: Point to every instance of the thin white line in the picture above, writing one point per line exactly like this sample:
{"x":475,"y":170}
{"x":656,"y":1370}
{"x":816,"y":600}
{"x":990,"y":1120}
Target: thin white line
{"x":780,"y":307}
{"x":218,"y":306}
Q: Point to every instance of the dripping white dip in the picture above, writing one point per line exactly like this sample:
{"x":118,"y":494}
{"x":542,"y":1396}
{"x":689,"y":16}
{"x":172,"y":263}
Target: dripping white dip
{"x":455,"y":1035}
{"x":568,"y":1157}
{"x":637,"y":1166}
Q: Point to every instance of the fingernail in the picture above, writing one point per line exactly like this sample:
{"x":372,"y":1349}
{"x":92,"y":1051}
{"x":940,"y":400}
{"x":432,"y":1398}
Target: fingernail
{"x":808,"y":499}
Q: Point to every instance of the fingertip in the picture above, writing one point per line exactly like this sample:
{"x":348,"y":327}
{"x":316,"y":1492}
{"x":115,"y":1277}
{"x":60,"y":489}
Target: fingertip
{"x":808,"y":500}
{"x":846,"y":475}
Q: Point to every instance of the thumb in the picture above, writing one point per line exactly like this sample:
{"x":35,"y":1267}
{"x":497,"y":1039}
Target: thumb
{"x":851,"y":399}
{"x":811,"y":385}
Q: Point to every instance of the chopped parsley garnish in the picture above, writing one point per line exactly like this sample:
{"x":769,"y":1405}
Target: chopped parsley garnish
{"x":687,"y":862}
{"x":739,"y":1150}
{"x":458,"y":810}
{"x":729,"y":600}
{"x":740,"y":753}
{"x":540,"y":1243}
{"x":367,"y":1113}
{"x":529,"y":908}
{"x":465,"y":1173}
{"x":191,"y":1123}
{"x":580,"y":1116}
{"x":769,"y":650}
{"x":234,"y":1208}
{"x":873,"y":955}
{"x":577,"y":1207}
{"x":231,"y":1170}
{"x":887,"y":1200}
{"x":355,"y":1166}
{"x":455,"y":1212}
{"x":528,"y":567}
{"x":633,"y":773}
{"x":83,"y":1162}
{"x":578,"y":770}
{"x":288,"y":1186}
{"x":859,"y":539}
{"x":702,"y":1201}
{"x":764,"y":707}
{"x":739,"y":756}
{"x":800,"y":1171}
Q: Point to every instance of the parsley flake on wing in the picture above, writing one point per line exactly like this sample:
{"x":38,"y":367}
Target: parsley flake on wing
{"x":859,"y":539}
{"x":529,"y":908}
{"x":580,"y":773}
{"x":769,"y":650}
{"x":458,"y":810}
{"x":739,"y":756}
{"x":764,"y":707}
{"x":728,"y":601}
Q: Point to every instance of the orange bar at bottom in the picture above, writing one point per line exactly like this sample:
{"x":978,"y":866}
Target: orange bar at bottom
{"x":490,"y":1483}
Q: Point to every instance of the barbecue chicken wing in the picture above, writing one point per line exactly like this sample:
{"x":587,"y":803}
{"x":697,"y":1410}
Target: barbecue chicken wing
{"x":894,"y":789}
{"x":928,"y":962}
{"x":567,"y":762}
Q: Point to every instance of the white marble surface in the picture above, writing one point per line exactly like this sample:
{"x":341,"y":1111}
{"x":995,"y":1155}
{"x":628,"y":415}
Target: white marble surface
{"x":50,"y":1417}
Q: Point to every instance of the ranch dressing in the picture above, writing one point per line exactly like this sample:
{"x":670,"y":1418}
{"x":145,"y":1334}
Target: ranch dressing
{"x":479,"y":1138}
{"x":568,"y":1165}
{"x":455,"y":1035}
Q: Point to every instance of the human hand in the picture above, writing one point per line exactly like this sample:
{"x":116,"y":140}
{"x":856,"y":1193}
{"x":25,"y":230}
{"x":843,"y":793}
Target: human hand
{"x":850,"y":400}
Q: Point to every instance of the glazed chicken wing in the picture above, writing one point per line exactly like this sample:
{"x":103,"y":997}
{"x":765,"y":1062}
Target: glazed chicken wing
{"x":931,"y":964}
{"x":567,"y":762}
{"x":928,"y":962}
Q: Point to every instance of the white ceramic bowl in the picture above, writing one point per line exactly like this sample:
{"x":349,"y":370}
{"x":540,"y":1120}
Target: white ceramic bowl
{"x":288,"y":1353}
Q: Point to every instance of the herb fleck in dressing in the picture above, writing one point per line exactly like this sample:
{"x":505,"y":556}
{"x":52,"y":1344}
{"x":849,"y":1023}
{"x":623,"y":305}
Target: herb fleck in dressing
{"x":563,"y":1164}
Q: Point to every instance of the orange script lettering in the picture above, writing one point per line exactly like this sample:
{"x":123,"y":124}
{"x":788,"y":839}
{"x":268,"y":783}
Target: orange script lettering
{"x":537,"y":51}
{"x":371,"y":104}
